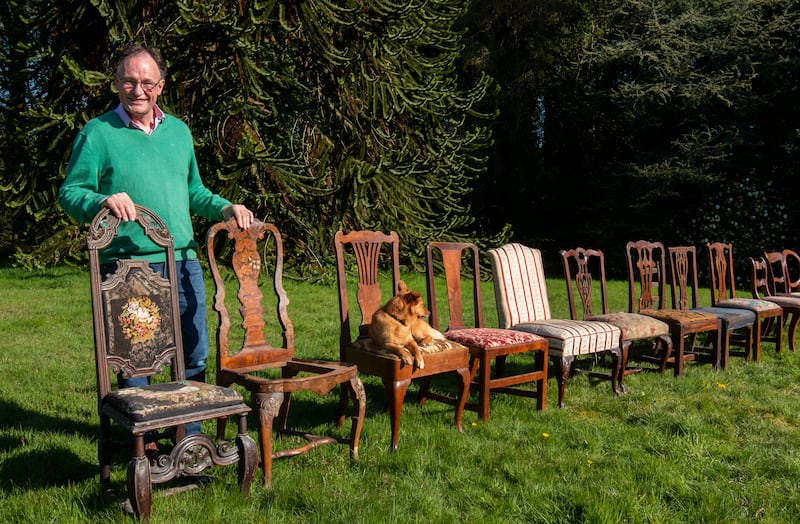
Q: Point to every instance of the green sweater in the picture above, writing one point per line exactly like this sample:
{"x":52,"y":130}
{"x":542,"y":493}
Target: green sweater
{"x":158,"y":171}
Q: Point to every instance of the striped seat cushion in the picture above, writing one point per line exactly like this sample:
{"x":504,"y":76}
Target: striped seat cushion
{"x":570,"y":338}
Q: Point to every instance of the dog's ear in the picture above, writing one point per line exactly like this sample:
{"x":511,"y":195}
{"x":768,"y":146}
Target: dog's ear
{"x":402,"y":288}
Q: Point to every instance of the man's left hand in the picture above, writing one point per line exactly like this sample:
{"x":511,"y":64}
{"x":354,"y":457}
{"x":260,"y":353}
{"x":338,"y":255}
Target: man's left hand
{"x":244,"y":217}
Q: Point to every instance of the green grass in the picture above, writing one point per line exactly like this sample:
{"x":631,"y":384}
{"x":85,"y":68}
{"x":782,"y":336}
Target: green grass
{"x":715,"y":446}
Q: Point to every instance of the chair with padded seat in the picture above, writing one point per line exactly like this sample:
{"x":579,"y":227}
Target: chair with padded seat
{"x":723,"y":294}
{"x":790,"y":305}
{"x":585,"y":276}
{"x":136,"y":319}
{"x":271,"y":372}
{"x":738,"y":325}
{"x":366,"y":250}
{"x":486,"y":345}
{"x":523,"y":304}
{"x":647,"y":280}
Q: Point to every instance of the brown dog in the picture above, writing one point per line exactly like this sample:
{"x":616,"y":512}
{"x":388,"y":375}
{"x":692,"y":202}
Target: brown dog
{"x":399,"y":326}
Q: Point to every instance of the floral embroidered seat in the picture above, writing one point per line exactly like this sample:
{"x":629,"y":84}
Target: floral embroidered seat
{"x":486,"y":345}
{"x":136,"y":320}
{"x":522,"y":304}
{"x":585,"y":276}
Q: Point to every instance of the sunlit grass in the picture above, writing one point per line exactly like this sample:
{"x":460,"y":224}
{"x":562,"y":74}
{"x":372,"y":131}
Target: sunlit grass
{"x":712,"y":447}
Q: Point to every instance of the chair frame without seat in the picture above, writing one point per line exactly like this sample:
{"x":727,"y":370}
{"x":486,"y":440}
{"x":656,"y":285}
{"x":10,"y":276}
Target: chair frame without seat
{"x":272,"y":373}
{"x":367,"y":247}
{"x":585,"y":276}
{"x":647,"y":282}
{"x":486,"y":345}
{"x":136,"y":318}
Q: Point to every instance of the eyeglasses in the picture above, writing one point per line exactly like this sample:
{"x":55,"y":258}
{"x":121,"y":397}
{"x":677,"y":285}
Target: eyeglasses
{"x":147,"y":86}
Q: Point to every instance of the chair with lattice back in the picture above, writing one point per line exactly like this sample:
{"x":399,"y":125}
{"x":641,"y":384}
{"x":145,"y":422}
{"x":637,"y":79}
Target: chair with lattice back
{"x":137,"y":332}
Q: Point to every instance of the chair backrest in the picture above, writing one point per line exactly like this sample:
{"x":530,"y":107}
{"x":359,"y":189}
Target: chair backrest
{"x":759,"y":283}
{"x":792,"y":261}
{"x":452,"y":254}
{"x":519,"y":285}
{"x":135,"y":310}
{"x":646,"y":275}
{"x":585,"y":275}
{"x":720,"y":261}
{"x":776,"y":272}
{"x":367,"y":247}
{"x":683,"y":276}
{"x":249,"y":266}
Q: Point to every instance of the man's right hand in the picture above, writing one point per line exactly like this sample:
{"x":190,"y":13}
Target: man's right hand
{"x":121,"y":205}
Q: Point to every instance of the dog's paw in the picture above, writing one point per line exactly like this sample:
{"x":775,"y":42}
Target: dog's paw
{"x":420,"y":362}
{"x":407,"y":358}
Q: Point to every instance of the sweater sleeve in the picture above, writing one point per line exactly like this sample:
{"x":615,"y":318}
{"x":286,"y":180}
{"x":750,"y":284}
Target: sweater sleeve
{"x":78,"y":195}
{"x":201,"y":200}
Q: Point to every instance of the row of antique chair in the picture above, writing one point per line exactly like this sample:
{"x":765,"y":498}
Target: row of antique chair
{"x":137,"y":332}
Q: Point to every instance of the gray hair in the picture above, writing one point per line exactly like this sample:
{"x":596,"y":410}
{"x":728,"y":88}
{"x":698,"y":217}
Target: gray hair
{"x":136,"y":49}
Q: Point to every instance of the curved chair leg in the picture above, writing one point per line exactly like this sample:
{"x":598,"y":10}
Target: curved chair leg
{"x":104,"y":451}
{"x":356,"y":388}
{"x":790,"y":332}
{"x":341,"y":409}
{"x":563,"y":368}
{"x":395,"y":393}
{"x":463,"y":392}
{"x":248,"y":456}
{"x":268,"y":406}
{"x":618,"y":372}
{"x":140,"y":490}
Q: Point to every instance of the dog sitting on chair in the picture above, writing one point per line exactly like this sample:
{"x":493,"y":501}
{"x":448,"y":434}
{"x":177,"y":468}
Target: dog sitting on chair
{"x":400,"y":326}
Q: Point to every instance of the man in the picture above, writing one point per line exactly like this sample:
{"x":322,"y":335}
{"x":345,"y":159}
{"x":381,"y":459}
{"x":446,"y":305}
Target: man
{"x":136,"y":153}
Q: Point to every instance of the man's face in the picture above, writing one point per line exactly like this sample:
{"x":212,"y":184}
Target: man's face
{"x":139,"y":83}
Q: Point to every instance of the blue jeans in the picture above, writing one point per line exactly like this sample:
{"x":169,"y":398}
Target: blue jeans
{"x":194,"y":328}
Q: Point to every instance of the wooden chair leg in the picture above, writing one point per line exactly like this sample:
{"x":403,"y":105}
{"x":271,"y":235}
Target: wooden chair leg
{"x":541,"y":384}
{"x":268,"y":406}
{"x":484,"y":384}
{"x":463,"y":392}
{"x":356,"y":388}
{"x":395,"y":393}
{"x":563,"y":368}
{"x":790,"y":332}
{"x":140,"y":490}
{"x":248,"y":456}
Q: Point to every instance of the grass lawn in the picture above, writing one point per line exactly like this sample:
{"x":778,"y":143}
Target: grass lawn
{"x":714,"y":446}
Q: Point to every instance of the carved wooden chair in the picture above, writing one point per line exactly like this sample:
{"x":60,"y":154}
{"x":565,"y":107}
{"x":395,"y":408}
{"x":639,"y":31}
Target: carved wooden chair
{"x":761,"y":288}
{"x":646,"y":295}
{"x":365,"y":248}
{"x":136,"y":320}
{"x":585,"y":276}
{"x":271,"y":373}
{"x":522,"y":304}
{"x":738,"y":325}
{"x":783,"y":269}
{"x":486,"y":345}
{"x":769,"y":316}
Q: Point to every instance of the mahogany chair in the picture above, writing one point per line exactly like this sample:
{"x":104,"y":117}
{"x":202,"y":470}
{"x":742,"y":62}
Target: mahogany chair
{"x":646,"y":295}
{"x":784,"y":272}
{"x":272,"y":373}
{"x":585,"y":276}
{"x":522,"y":304}
{"x":738,"y":324}
{"x":136,"y":319}
{"x":790,"y":305}
{"x":366,"y":248}
{"x":486,"y":345}
{"x":769,"y":316}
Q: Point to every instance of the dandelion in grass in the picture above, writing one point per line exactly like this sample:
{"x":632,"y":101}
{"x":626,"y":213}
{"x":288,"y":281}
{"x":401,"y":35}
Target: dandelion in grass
{"x":546,"y":435}
{"x":474,"y":424}
{"x":720,"y":385}
{"x":589,"y":462}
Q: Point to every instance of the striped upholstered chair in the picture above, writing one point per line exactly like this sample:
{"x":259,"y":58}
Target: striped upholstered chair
{"x":522,"y":304}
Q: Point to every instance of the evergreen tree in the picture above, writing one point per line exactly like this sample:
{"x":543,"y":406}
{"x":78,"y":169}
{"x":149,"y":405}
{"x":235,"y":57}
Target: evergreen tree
{"x":319,"y":115}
